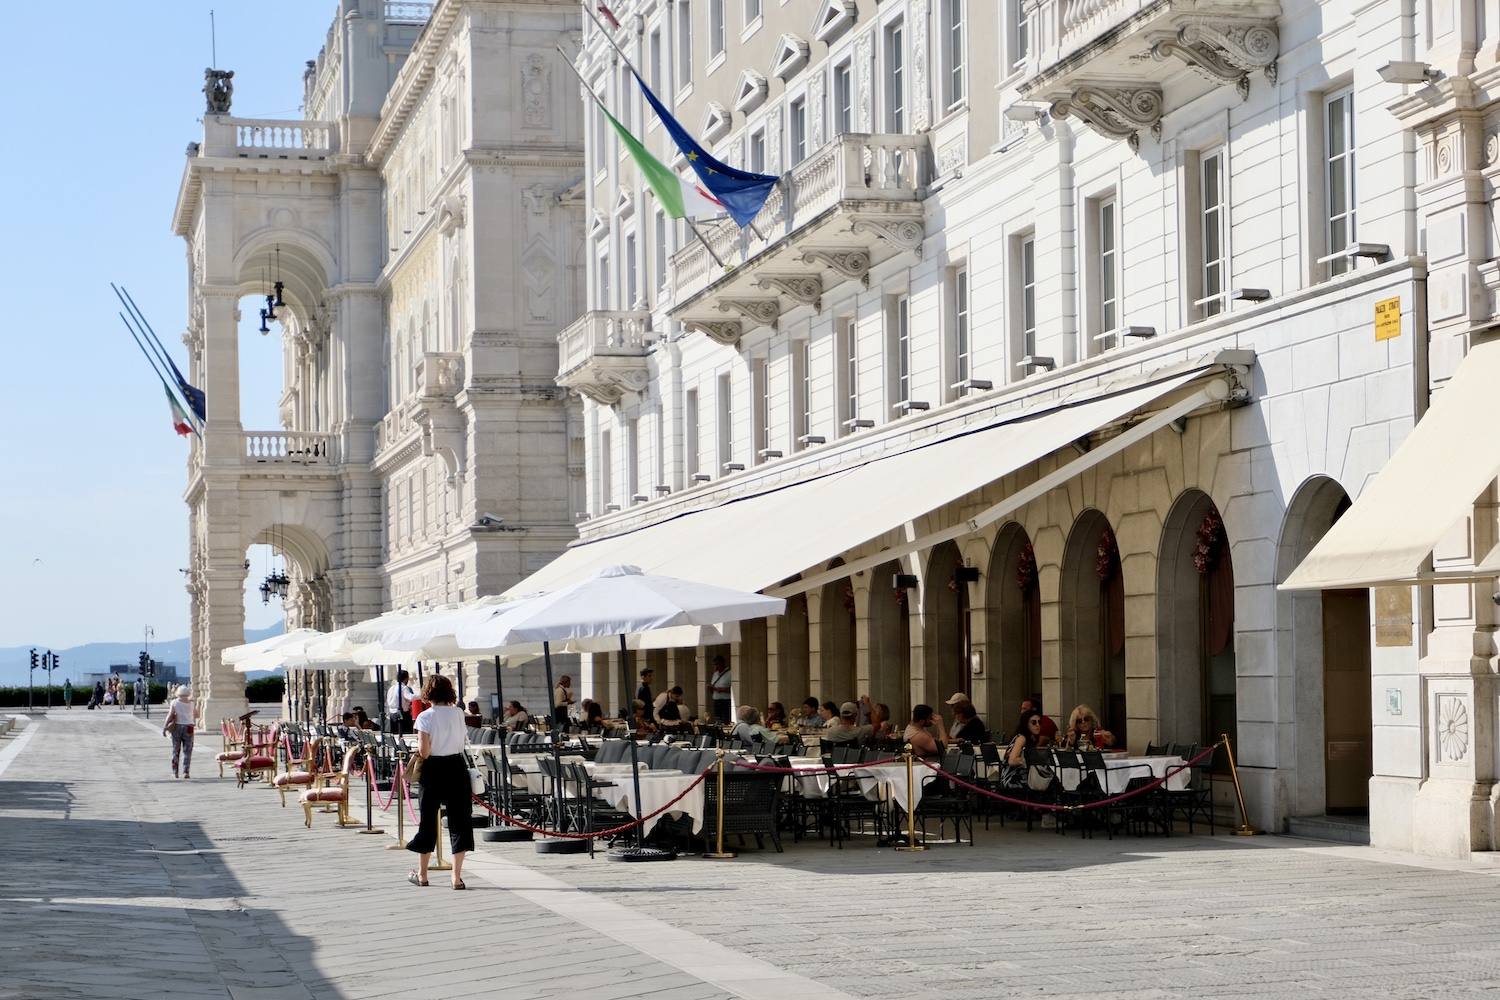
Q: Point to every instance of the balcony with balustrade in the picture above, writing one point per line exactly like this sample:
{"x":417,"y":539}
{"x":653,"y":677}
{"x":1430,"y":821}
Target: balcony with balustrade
{"x":849,"y":206}
{"x":289,"y":449}
{"x":602,"y":355}
{"x":1107,"y":62}
{"x":268,"y":138}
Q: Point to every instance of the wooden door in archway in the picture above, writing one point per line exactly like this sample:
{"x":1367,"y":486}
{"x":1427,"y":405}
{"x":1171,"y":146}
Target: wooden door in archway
{"x":1347,"y":729}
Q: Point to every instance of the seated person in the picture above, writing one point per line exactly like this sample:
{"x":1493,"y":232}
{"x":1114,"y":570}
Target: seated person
{"x":641,"y":722}
{"x":749,"y":728}
{"x":364,"y":720}
{"x":1083,"y":732}
{"x":593,"y":715}
{"x":1033,"y":703}
{"x":350,"y":721}
{"x":1028,"y":736}
{"x":515,"y":716}
{"x":880,"y":719}
{"x":966,"y":725}
{"x":809,"y":715}
{"x":669,"y":713}
{"x":926,"y":733}
{"x":776,"y":716}
{"x":847,"y":728}
{"x":829,"y":713}
{"x":472,"y":716}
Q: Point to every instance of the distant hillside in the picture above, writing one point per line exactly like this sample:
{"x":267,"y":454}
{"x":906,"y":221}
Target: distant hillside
{"x":99,"y":656}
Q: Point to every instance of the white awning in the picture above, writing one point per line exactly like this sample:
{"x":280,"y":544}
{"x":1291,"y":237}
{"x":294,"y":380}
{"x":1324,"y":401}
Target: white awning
{"x":753,"y":541}
{"x":1427,"y":487}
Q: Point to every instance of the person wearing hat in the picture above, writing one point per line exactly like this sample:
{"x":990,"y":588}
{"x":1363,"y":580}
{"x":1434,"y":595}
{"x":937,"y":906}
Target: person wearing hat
{"x":181,"y":716}
{"x":967,"y":727}
{"x":643,"y":693}
{"x":846,"y":728}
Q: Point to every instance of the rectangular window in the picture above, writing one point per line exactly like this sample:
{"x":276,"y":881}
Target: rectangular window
{"x":901,"y":347}
{"x":1106,"y":267}
{"x":752,"y":11}
{"x":715,"y":28}
{"x":953,"y":91}
{"x":632,"y":273}
{"x":1338,"y":145}
{"x":1020,"y":33}
{"x":895,"y":78}
{"x":802,"y":417}
{"x":843,"y":98}
{"x":624,"y":90}
{"x":847,"y":372}
{"x":797,"y":122}
{"x":658,"y":81}
{"x":632,"y":459}
{"x":757,"y":152}
{"x":684,"y":43}
{"x":606,"y":471}
{"x":726,"y":423}
{"x":963,"y":348}
{"x":661,"y":249}
{"x":1213,"y":231}
{"x":1028,"y":295}
{"x":760,"y":392}
{"x":601,"y":132}
{"x":604,"y":290}
{"x":690,"y":431}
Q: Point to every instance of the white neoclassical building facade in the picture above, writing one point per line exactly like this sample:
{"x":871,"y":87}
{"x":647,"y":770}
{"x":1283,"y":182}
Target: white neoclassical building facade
{"x":1067,"y":334}
{"x":421,"y":225}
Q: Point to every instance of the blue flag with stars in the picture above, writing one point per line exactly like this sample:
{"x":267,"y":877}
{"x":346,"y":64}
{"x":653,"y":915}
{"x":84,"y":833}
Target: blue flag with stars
{"x":740,"y":192}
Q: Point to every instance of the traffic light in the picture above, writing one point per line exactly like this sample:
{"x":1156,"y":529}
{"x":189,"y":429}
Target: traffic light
{"x":56,"y":661}
{"x":33,"y":660}
{"x":145,"y":661}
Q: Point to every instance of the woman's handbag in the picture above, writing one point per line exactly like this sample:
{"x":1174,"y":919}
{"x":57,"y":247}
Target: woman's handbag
{"x":477,"y":784}
{"x":414,"y":763}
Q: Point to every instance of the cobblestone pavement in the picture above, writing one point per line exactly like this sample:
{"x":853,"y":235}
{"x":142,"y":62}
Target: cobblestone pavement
{"x":124,"y":883}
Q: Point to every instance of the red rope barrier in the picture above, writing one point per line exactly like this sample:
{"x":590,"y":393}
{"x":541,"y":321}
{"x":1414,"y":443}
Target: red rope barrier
{"x":370,"y":771}
{"x":597,"y":833}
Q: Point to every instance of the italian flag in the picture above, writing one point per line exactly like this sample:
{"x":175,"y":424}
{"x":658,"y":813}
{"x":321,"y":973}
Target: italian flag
{"x":179,"y":419}
{"x":680,"y":198}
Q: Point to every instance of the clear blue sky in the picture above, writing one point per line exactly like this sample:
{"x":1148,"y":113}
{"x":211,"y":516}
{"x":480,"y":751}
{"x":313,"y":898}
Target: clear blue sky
{"x":102,"y":102}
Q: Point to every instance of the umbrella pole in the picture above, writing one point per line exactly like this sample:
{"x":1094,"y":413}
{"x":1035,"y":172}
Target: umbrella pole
{"x":556,"y":845}
{"x":640,"y":852}
{"x":459,"y":669}
{"x":500,"y":830}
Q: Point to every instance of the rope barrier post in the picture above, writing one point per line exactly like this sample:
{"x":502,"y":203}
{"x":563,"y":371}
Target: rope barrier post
{"x":370,"y":826}
{"x":719,"y":852}
{"x":1244,"y":829}
{"x":911,"y":809}
{"x":439,"y":864}
{"x":398,"y":789}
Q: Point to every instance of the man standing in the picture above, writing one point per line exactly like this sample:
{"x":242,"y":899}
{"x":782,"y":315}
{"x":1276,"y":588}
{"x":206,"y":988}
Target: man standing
{"x":398,"y":703}
{"x":643,"y":693}
{"x":719,"y":684}
{"x":562,"y":700}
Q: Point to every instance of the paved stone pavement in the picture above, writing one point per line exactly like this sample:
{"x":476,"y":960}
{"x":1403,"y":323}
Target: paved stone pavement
{"x":123,"y":883}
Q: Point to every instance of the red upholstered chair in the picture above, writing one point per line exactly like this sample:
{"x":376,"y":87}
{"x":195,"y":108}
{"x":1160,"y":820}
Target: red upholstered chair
{"x":234,"y":745}
{"x":298,"y":778}
{"x":331,"y":789}
{"x":260,"y":756}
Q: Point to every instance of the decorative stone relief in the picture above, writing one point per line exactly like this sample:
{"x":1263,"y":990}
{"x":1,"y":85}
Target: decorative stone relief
{"x":850,"y":263}
{"x":761,"y":312}
{"x":773,"y":142}
{"x":536,"y":90}
{"x":1204,"y":60}
{"x":1248,"y":46}
{"x":815,"y":109}
{"x":903,"y":235}
{"x":607,"y":386}
{"x":726,"y":332}
{"x":952,"y":156}
{"x":1452,"y":727}
{"x":864,"y":67}
{"x":451,"y":215}
{"x":538,"y":265}
{"x":806,"y":289}
{"x":1113,"y":113}
{"x":917,"y":18}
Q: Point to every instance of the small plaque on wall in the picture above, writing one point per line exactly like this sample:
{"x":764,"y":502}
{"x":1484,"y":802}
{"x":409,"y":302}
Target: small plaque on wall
{"x":1393,"y":616}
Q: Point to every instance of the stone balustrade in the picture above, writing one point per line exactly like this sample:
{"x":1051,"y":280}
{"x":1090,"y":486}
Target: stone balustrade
{"x":268,"y":138}
{"x":289,"y":448}
{"x":407,"y":11}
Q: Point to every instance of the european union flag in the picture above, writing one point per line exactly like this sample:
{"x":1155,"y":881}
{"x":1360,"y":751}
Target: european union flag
{"x":740,"y":192}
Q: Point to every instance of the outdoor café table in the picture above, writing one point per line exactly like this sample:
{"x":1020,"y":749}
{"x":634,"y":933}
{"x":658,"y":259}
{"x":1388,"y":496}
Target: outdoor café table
{"x":1119,"y":770}
{"x":657,"y":789}
{"x":811,"y":777}
{"x":874,"y":778}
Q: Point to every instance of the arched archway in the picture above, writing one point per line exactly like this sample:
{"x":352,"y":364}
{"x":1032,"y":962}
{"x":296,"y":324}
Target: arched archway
{"x":793,"y":681}
{"x":1091,"y":633}
{"x":838,"y":642}
{"x":1013,"y":606}
{"x":1196,"y":679}
{"x":946,"y":610}
{"x":1325,"y":637}
{"x":890,"y":642}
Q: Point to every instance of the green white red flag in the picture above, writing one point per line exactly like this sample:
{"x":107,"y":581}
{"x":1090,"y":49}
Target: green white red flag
{"x":679,"y":198}
{"x":180,"y":422}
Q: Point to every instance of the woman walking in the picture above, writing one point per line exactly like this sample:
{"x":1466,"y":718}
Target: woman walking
{"x":444,"y":782}
{"x":181,"y":716}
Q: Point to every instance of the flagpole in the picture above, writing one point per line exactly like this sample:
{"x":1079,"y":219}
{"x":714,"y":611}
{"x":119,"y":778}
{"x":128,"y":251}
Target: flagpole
{"x":187,"y":407}
{"x":590,"y":91}
{"x":608,"y":38}
{"x":182,"y":383}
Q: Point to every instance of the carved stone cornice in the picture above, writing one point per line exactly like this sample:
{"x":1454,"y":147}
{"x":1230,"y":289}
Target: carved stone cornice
{"x":903,"y":234}
{"x":1113,"y":112}
{"x":605,"y":383}
{"x":850,"y":263}
{"x":721,"y":331}
{"x":804,"y":288}
{"x":1205,"y":60}
{"x":761,"y":312}
{"x":1250,"y":46}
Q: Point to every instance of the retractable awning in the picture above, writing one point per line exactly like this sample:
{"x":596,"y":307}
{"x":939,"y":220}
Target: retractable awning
{"x":753,"y":541}
{"x":1428,"y":486}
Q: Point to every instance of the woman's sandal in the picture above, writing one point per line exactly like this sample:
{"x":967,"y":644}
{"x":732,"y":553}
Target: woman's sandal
{"x":459,"y":884}
{"x":415,"y":879}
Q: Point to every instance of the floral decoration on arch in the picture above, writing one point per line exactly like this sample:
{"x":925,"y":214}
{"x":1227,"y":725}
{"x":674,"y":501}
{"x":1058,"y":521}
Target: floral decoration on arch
{"x":1109,"y":556}
{"x":1212,"y":542}
{"x":849,"y":597}
{"x":1026,"y":571}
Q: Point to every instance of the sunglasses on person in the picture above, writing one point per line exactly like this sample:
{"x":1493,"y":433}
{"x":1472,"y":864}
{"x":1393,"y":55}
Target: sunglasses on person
{"x":1033,"y":722}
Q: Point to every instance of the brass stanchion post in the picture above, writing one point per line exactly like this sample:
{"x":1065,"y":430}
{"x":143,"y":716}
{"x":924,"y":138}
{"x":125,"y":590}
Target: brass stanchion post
{"x":1244,"y":829}
{"x":438,"y":864}
{"x":370,"y":826}
{"x":911,"y":809}
{"x":398,"y":789}
{"x":720,"y":852}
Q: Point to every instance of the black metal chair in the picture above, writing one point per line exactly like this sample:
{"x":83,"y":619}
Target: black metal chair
{"x":751,"y":800}
{"x":947,"y":802}
{"x":1196,"y":801}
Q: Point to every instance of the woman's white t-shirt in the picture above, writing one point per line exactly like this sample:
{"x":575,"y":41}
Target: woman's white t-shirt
{"x":444,"y":726}
{"x":181,"y":712}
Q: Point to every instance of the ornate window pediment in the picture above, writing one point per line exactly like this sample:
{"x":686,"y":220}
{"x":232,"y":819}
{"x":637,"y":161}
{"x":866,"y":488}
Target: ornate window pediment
{"x":751,"y":92}
{"x":833,"y":17}
{"x":625,"y":202}
{"x":791,"y":55}
{"x":716,"y":121}
{"x":601,"y":223}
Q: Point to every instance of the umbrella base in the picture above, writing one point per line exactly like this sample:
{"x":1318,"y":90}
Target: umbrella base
{"x":561,"y":845}
{"x":641,"y":854}
{"x":504,"y":833}
{"x":479,"y":820}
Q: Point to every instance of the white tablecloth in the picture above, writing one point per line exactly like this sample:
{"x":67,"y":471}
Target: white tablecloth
{"x":888,"y":781}
{"x":657,"y":789}
{"x":1120,"y":770}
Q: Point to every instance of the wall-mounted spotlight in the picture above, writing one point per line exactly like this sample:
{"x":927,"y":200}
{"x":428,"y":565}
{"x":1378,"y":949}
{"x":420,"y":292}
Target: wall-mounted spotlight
{"x":1143,"y":332}
{"x":702,"y":477}
{"x":903,"y":581}
{"x":808,"y":439}
{"x":1251,"y":294}
{"x":910,"y":405}
{"x":766,"y":453}
{"x":973,"y":384}
{"x":490,"y":521}
{"x":663,"y":490}
{"x":734,"y":466}
{"x":859,"y":423}
{"x":1041,"y":361}
{"x":1374,"y":251}
{"x":1408,"y":71}
{"x":966,"y":574}
{"x":1026,"y":111}
{"x":611,"y":508}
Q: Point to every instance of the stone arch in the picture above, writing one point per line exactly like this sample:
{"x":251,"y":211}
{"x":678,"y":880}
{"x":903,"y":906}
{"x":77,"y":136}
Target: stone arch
{"x":838,"y":640}
{"x":1091,"y":641}
{"x":890,"y":642}
{"x":307,"y":265}
{"x":945,"y":625}
{"x":1013,"y":613}
{"x":1196,"y":676}
{"x":1313,"y":509}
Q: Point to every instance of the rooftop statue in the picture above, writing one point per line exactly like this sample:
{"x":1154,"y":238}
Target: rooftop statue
{"x":218,"y":87}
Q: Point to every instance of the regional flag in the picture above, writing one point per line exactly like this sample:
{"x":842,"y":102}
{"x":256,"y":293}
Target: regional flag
{"x":679,"y":198}
{"x":740,"y":192}
{"x":179,"y":419}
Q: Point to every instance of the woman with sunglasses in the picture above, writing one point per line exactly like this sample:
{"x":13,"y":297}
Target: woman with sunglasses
{"x":1028,"y":736}
{"x":1083,"y":732}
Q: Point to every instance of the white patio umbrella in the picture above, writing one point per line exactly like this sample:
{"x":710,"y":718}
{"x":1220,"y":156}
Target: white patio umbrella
{"x":616,"y":601}
{"x":271,"y":653}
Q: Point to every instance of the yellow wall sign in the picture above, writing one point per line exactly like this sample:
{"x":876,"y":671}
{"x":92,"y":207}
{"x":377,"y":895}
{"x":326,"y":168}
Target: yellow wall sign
{"x":1388,"y":319}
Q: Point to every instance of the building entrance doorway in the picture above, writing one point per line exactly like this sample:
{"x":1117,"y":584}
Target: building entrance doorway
{"x":1347,"y":763}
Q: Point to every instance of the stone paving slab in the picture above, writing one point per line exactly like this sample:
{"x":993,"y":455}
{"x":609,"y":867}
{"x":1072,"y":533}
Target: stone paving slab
{"x":118,"y":872}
